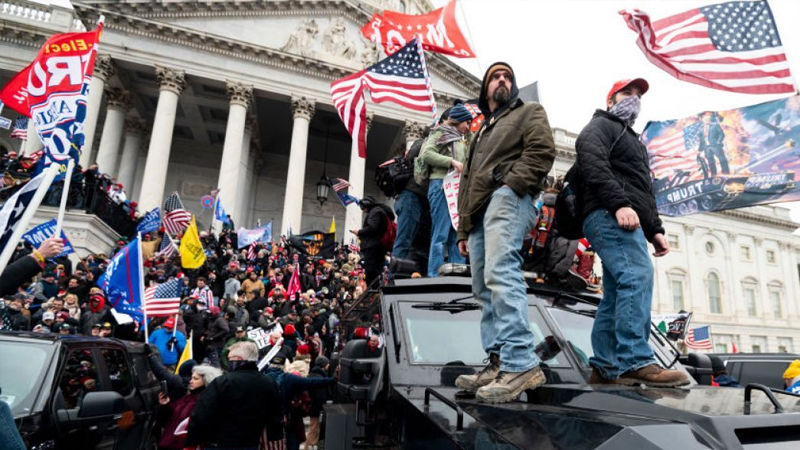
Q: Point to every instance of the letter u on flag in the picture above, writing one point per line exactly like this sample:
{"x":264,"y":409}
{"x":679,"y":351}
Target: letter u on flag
{"x":192,"y":254}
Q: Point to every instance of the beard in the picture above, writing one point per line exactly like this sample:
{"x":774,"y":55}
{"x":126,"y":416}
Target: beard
{"x":501,"y":95}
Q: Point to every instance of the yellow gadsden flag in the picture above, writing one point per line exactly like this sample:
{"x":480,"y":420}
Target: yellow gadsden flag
{"x":333,"y":227}
{"x":187,"y":354}
{"x":192,"y":254}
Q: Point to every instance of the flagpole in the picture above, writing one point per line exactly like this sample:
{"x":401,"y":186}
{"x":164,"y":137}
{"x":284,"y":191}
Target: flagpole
{"x":38,"y":196}
{"x":174,"y":332}
{"x":141,"y":288}
{"x":64,"y":196}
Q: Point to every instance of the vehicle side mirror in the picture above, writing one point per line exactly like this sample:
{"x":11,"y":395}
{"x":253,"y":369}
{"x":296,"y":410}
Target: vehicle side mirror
{"x":106,"y":403}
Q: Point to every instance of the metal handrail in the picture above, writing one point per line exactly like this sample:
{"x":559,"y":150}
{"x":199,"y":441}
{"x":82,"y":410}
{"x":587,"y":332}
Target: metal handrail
{"x":748,"y":392}
{"x":448,"y":402}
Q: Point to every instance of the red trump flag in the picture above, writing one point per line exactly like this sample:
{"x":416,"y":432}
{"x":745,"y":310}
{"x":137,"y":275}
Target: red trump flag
{"x":438,"y":31}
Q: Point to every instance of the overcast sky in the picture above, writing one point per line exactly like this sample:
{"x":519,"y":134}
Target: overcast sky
{"x":577,"y":49}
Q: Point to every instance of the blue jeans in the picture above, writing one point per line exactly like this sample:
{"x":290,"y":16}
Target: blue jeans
{"x":409,"y":210}
{"x":442,"y":232}
{"x":9,"y":436}
{"x":621,"y":332}
{"x":497,"y":281}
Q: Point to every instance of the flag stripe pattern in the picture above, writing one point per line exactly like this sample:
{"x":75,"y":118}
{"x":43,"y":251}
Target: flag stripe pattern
{"x":339,"y":184}
{"x":732,"y":46}
{"x":699,"y":338}
{"x":163,"y":299}
{"x":167,"y":248}
{"x":251,"y":252}
{"x":400,"y":78}
{"x":20,"y":129}
{"x":676,"y":152}
{"x":176,"y":218}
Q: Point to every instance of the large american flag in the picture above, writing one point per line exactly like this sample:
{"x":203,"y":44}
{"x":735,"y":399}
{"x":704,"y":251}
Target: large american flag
{"x":20,"y":129}
{"x":731,"y":46}
{"x":699,"y":338}
{"x":339,"y":184}
{"x":176,"y":219}
{"x":167,"y":248}
{"x":401,"y":78}
{"x":676,"y":152}
{"x":163,"y":299}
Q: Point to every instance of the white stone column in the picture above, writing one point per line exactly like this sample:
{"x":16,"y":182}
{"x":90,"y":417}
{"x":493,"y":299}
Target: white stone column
{"x":240,"y":96}
{"x":358,"y":167}
{"x":118,"y":102}
{"x":134,"y":129}
{"x":303,"y":111}
{"x":103,"y":71}
{"x":172,"y":82}
{"x":413,"y":131}
{"x":245,"y":173}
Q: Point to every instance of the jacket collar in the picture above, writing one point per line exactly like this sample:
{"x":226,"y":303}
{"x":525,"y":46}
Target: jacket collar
{"x":503,"y":111}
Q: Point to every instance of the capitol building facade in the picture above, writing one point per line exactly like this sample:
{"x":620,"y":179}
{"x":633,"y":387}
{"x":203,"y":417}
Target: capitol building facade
{"x":190,"y":96}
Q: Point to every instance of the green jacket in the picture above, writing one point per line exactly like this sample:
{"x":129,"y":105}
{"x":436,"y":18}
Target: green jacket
{"x":514,"y":148}
{"x":439,"y":156}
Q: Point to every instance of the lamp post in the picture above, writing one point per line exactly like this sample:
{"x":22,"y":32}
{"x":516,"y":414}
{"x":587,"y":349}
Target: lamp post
{"x":323,"y":189}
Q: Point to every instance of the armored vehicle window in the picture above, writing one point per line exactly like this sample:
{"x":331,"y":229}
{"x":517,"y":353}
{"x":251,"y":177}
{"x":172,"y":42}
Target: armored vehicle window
{"x":22,"y":366}
{"x":439,"y":337}
{"x":577,"y":330}
{"x":118,"y":371}
{"x":79,"y":377}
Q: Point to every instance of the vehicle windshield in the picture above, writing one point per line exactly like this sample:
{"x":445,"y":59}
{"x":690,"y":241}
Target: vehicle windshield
{"x":439,"y":337}
{"x":22,"y":367}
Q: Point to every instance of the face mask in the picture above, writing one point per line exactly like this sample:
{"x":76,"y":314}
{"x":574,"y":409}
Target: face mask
{"x":235,"y":365}
{"x":627,"y":109}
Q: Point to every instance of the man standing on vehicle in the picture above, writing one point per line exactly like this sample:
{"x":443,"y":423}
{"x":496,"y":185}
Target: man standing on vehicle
{"x":508,"y":160}
{"x":620,"y":218}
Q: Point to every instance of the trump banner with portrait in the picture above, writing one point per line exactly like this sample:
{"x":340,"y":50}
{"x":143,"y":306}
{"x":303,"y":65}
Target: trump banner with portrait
{"x":719,"y":160}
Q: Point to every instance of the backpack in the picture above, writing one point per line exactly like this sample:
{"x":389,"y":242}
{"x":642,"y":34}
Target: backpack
{"x":393,"y":175}
{"x":569,"y":204}
{"x":421,"y":171}
{"x":387,"y":240}
{"x":542,"y":229}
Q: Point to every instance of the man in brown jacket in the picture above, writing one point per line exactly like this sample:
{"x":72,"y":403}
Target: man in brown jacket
{"x":252,"y":283}
{"x":502,"y":180}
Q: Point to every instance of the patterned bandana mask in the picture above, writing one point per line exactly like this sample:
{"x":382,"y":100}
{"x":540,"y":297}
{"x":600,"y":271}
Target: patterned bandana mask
{"x":627,"y":109}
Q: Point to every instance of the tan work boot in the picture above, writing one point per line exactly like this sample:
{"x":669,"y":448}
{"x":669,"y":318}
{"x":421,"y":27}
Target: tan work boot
{"x":508,"y":386}
{"x":471,"y":383}
{"x":597,"y":378}
{"x":655,"y":376}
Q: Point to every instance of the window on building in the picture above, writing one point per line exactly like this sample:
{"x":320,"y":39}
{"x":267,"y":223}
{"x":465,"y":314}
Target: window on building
{"x":674,"y":242}
{"x":677,"y":294}
{"x":759,"y":344}
{"x":714,"y":296}
{"x":745,"y":251}
{"x":750,"y":300}
{"x":771,"y":256}
{"x":785,"y":345}
{"x":776,"y":299}
{"x":710,"y":248}
{"x":722,"y":342}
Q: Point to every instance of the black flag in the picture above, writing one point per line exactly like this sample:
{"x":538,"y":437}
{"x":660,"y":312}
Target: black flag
{"x":314,"y":243}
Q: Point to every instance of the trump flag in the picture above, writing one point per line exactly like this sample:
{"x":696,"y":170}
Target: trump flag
{"x":122,"y":281}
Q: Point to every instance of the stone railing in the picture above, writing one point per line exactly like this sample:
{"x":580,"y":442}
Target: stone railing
{"x":51,"y":17}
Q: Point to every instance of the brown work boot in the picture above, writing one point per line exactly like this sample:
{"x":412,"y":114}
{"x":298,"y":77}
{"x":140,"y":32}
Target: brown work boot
{"x":508,"y":386}
{"x":471,"y":383}
{"x":597,"y":378}
{"x":655,"y":376}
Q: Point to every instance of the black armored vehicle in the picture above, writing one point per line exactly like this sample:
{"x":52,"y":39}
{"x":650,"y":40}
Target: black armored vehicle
{"x":78,"y":392}
{"x":405,"y":396}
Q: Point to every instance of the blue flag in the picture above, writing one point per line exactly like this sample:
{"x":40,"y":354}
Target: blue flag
{"x":123,"y":280}
{"x":219,"y":213}
{"x":260,"y":234}
{"x":346,"y":198}
{"x":38,"y":234}
{"x":150,"y":222}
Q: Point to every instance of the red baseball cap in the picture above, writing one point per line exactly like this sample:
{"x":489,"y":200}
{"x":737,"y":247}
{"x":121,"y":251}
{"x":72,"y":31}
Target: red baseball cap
{"x":640,"y":83}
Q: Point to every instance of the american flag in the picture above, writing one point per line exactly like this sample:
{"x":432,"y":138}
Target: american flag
{"x":477,"y":116}
{"x":251,"y":252}
{"x":339,"y":184}
{"x":167,"y":248}
{"x":699,"y":338}
{"x":732,"y":46}
{"x":20,"y":129}
{"x":400,"y":78}
{"x":675,"y":152}
{"x":176,"y":219}
{"x":163,"y":299}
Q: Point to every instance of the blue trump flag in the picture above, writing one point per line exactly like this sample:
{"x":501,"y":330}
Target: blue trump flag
{"x":122,"y":281}
{"x":150,"y":222}
{"x":220,"y":214}
{"x":38,"y":234}
{"x":260,"y":234}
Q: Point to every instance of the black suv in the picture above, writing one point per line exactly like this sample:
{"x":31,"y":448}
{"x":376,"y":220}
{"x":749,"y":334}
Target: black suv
{"x":78,"y":392}
{"x":405,"y":395}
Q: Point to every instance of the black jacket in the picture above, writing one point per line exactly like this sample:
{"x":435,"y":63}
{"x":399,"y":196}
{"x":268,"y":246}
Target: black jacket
{"x":616,"y":178}
{"x":374,"y":227}
{"x":16,"y":274}
{"x":318,"y":396}
{"x":235,"y":408}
